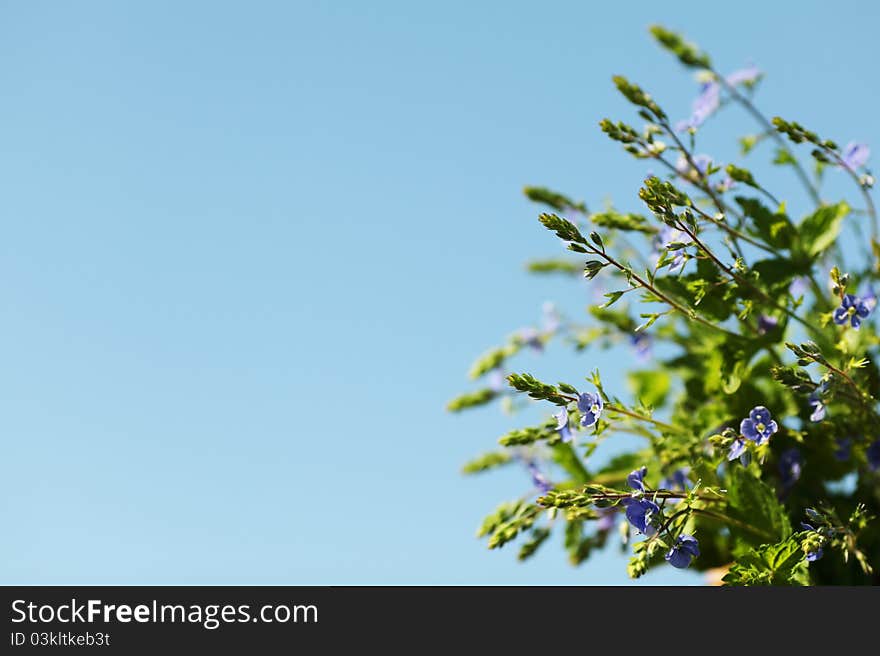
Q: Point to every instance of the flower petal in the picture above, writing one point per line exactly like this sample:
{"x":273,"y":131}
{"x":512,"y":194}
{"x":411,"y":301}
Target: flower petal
{"x":747,"y":428}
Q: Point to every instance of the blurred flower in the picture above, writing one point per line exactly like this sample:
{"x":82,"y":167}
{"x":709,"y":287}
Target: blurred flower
{"x":662,"y":239}
{"x":677,"y":480}
{"x":590,"y":406}
{"x":843,"y":449}
{"x":706,"y":103}
{"x":798,"y":286}
{"x":815,"y":401}
{"x":538,"y":478}
{"x":759,"y":425}
{"x":736,"y":449}
{"x":855,"y":155}
{"x":562,"y":425}
{"x":790,"y":465}
{"x":640,"y":513}
{"x":701,"y":162}
{"x":606,"y":518}
{"x":550,"y":318}
{"x":685,"y":549}
{"x":530,"y":337}
{"x":641,"y":342}
{"x":813,"y":556}
{"x":496,"y":380}
{"x":748,"y":75}
{"x":852,"y":309}
{"x":766,"y":323}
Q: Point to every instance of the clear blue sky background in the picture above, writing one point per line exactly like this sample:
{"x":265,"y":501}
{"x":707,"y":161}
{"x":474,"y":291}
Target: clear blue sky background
{"x":249,"y":250}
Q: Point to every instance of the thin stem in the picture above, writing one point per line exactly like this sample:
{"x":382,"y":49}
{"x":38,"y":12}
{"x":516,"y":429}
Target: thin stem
{"x":751,"y":109}
{"x":635,"y":415}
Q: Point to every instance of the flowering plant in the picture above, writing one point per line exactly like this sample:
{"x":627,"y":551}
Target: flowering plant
{"x":760,"y":452}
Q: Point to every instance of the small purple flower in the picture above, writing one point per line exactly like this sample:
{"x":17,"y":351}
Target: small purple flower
{"x":662,"y":239}
{"x":813,"y":514}
{"x":636,"y":479}
{"x":606,"y":519}
{"x":813,"y":556}
{"x":798,"y":286}
{"x":766,"y":323}
{"x":641,"y":342}
{"x":705,"y":104}
{"x":855,"y":155}
{"x":843,"y":449}
{"x":641,"y":513}
{"x":869,"y":298}
{"x":737,"y":449}
{"x":759,"y":425}
{"x":815,"y":401}
{"x":873,"y":455}
{"x":590,"y":406}
{"x":701,"y":162}
{"x":748,"y":75}
{"x":531,"y":338}
{"x":852,"y":309}
{"x":685,"y":549}
{"x":677,"y":480}
{"x":496,"y":380}
{"x":562,"y":426}
{"x":790,"y":466}
{"x":538,"y":479}
{"x":550,"y":317}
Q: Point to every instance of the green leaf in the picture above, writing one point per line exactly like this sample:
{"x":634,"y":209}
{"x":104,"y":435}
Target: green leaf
{"x":753,"y":503}
{"x":782,"y":563}
{"x":820,"y":229}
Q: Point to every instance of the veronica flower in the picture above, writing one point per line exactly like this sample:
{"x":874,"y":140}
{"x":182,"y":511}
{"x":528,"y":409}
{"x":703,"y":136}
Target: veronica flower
{"x":662,"y":239}
{"x":737,"y":449}
{"x":813,"y":556}
{"x":706,"y":103}
{"x":855,"y":155}
{"x":636,"y":479}
{"x":869,"y":298}
{"x":530,"y":337}
{"x":640,"y":512}
{"x":562,"y":426}
{"x":606,"y":519}
{"x":748,"y":75}
{"x":843,"y":449}
{"x":496,"y":380}
{"x":701,"y":163}
{"x":550,"y":319}
{"x":538,"y":478}
{"x":677,"y":480}
{"x":798,"y":286}
{"x":815,"y":401}
{"x":759,"y":425}
{"x":852,"y":310}
{"x":685,"y":549}
{"x":590,"y":406}
{"x":766,"y":323}
{"x":873,"y":455}
{"x":641,"y":342}
{"x":790,"y":466}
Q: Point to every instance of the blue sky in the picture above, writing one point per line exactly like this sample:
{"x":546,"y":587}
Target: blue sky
{"x":250,"y":249}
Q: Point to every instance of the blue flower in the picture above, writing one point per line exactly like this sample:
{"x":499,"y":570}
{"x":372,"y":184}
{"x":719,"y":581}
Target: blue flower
{"x":496,"y":380}
{"x":790,"y":465}
{"x":641,"y":342}
{"x":852,"y":309}
{"x":701,"y":163}
{"x":550,"y":317}
{"x":606,"y":519}
{"x":640,"y":513}
{"x":678,"y":480}
{"x":873,"y":455}
{"x":798,"y":286}
{"x":590,"y":406}
{"x":662,"y":239}
{"x":813,"y":556}
{"x":531,"y":338}
{"x":844,"y":449}
{"x":636,"y":479}
{"x":562,"y":426}
{"x":759,"y":425}
{"x":737,"y":449}
{"x":538,"y":478}
{"x":685,"y":549}
{"x":815,"y":401}
{"x":766,"y":323}
{"x":705,"y":104}
{"x":748,"y":75}
{"x":855,"y":155}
